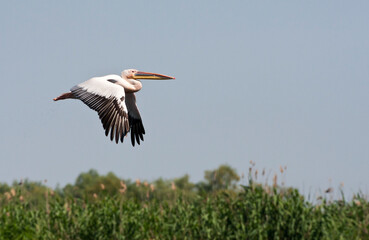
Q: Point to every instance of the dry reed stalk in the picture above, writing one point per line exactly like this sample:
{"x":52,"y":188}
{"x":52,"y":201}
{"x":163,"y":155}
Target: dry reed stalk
{"x":12,"y":191}
{"x":8,"y":195}
{"x":47,"y":202}
{"x":67,"y":207}
{"x":267,"y":189}
{"x":124,"y":187}
{"x":275,"y":178}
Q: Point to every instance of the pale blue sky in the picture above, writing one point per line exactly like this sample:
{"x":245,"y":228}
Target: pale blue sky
{"x":275,"y":82}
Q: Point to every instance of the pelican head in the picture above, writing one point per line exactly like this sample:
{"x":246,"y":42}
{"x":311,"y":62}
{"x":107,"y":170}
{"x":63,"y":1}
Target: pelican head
{"x":136,"y":74}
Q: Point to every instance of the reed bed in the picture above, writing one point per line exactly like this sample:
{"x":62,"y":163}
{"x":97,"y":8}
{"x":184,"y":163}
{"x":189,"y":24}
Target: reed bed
{"x":250,"y":211}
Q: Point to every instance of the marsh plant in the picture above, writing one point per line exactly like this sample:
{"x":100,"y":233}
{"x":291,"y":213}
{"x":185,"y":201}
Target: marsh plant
{"x":223,"y":206}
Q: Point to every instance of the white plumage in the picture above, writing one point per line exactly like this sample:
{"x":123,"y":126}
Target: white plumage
{"x":103,"y":87}
{"x":114,"y":100}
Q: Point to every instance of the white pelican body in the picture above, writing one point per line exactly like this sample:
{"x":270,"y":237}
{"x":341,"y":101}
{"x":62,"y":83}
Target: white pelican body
{"x":113,"y":98}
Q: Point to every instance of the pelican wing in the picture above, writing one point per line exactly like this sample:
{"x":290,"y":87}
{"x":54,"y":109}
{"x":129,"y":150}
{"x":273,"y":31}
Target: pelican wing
{"x":135,"y":121}
{"x":108,"y":99}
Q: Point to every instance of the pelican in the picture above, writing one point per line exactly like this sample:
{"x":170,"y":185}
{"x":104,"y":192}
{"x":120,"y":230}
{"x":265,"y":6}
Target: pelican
{"x":113,"y":98}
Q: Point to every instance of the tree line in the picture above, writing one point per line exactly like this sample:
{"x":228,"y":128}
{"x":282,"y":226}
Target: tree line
{"x":91,"y":185}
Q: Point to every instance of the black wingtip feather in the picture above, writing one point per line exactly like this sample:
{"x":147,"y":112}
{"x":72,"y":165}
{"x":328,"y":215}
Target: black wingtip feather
{"x":111,"y":113}
{"x":132,"y":140}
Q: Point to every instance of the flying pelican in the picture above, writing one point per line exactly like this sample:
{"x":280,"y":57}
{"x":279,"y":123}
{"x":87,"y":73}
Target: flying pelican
{"x":113,"y":98}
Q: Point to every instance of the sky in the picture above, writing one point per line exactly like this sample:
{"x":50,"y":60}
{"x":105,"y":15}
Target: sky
{"x":279,"y":83}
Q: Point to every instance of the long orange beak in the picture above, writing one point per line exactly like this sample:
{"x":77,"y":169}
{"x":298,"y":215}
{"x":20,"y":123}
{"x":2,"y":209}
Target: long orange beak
{"x":153,"y":76}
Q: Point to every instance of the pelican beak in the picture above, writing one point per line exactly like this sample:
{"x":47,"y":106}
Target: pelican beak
{"x":147,"y":75}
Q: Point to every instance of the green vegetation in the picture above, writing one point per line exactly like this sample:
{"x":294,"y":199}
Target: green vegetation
{"x":106,"y":207}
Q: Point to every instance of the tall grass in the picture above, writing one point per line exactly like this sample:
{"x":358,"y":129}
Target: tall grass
{"x":255,"y":211}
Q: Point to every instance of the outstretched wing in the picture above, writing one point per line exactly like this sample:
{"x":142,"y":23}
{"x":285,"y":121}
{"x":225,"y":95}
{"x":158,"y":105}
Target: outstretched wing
{"x":135,"y":122}
{"x":108,"y":99}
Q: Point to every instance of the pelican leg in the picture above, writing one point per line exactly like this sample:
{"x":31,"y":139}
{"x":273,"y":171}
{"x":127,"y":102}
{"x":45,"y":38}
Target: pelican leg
{"x":65,"y":96}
